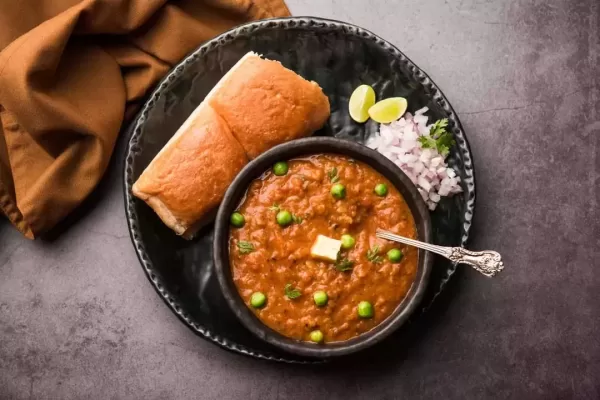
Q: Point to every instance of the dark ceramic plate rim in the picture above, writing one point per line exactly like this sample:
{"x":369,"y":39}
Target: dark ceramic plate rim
{"x":317,"y":24}
{"x":304,"y":148}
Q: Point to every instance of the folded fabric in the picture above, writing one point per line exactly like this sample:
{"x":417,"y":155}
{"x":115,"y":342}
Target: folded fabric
{"x":71,"y":73}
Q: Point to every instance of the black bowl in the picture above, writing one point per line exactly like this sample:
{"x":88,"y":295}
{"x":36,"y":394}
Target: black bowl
{"x":303,"y":147}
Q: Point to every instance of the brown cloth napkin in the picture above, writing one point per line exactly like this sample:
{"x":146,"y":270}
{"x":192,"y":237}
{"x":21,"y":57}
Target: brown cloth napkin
{"x":71,"y":73}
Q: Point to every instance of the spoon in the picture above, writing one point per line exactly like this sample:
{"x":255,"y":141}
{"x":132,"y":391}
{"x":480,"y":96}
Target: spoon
{"x":488,"y":262}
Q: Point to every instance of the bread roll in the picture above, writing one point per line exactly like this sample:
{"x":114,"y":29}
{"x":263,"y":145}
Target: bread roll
{"x":186,"y":181}
{"x":266,"y":104}
{"x":258,"y":104}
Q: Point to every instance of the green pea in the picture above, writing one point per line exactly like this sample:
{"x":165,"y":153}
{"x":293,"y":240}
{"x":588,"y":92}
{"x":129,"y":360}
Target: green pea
{"x":280,"y":168}
{"x":316,"y":336}
{"x":258,"y":300}
{"x":347,"y":242}
{"x":320,"y":298}
{"x":395,"y":255}
{"x":381,"y":189}
{"x":237,"y":220}
{"x":338,"y":191}
{"x":284,"y":218}
{"x":365,"y":309}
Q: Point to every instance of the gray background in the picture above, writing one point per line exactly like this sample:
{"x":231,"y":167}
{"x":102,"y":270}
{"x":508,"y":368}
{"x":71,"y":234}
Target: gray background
{"x":78,"y":318}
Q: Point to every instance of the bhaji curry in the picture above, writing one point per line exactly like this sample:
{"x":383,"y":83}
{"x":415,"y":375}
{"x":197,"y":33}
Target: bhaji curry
{"x":304,"y":254}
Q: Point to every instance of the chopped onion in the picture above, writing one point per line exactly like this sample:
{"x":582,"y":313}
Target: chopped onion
{"x":426,"y":168}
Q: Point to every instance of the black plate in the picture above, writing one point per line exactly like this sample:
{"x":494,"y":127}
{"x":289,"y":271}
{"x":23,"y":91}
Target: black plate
{"x":339,"y":57}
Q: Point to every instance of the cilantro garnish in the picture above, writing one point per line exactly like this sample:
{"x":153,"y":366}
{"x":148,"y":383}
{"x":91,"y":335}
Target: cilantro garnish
{"x":439,"y":138}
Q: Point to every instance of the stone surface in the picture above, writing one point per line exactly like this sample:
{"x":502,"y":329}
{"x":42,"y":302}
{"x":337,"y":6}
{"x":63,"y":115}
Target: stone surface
{"x":78,"y":318}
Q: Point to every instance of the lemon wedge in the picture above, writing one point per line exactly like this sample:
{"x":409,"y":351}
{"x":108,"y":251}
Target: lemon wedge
{"x":388,"y":110}
{"x":361,"y":100}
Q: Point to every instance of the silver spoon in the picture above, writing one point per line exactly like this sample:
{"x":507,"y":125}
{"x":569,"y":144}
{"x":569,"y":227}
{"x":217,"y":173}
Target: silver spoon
{"x":488,"y":262}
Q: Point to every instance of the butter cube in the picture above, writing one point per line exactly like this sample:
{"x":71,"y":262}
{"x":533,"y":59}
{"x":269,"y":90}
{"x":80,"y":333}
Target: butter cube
{"x":325,"y":248}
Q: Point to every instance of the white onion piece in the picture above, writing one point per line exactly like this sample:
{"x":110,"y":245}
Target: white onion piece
{"x":426,"y":168}
{"x":420,"y":119}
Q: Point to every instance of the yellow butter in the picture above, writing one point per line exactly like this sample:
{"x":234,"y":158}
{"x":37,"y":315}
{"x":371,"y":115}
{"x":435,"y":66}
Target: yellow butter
{"x":325,"y":248}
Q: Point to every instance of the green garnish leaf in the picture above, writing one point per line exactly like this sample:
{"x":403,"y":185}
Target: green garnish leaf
{"x":427,"y":142}
{"x":291,"y":292}
{"x":296,"y":219}
{"x":274,"y":207}
{"x":343,"y":264}
{"x":333,"y":175}
{"x":444,"y":150}
{"x":439,"y":138}
{"x":373,"y":255}
{"x":245,"y":247}
{"x":439,"y":127}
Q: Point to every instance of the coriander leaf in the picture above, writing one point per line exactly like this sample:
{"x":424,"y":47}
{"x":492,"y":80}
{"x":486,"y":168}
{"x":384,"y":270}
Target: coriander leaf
{"x":445,"y":139}
{"x":439,"y":138}
{"x":245,"y":247}
{"x":444,"y":150}
{"x":444,"y":142}
{"x":291,"y":292}
{"x":333,"y":175}
{"x":373,"y":255}
{"x":344,"y":265}
{"x":427,"y":142}
{"x":274,"y":207}
{"x":439,"y":127}
{"x":332,"y":172}
{"x":296,"y":219}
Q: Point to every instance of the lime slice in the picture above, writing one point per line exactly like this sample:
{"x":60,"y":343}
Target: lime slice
{"x":388,"y":110}
{"x":361,"y":100}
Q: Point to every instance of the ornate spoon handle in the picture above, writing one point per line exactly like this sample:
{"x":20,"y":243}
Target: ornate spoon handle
{"x":488,"y":262}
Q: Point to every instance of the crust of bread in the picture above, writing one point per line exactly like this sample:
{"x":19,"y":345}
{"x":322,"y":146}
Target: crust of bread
{"x":186,"y":181}
{"x":258,"y":104}
{"x":266,"y":104}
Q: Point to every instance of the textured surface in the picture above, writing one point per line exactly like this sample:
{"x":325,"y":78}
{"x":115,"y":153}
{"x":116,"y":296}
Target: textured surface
{"x":339,"y":57}
{"x":78,"y":319}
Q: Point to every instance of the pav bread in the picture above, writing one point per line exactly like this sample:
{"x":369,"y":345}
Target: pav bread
{"x":188,"y":177}
{"x":266,"y":104}
{"x":258,"y":104}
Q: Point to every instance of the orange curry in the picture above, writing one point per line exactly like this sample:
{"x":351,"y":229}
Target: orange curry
{"x":275,"y":260}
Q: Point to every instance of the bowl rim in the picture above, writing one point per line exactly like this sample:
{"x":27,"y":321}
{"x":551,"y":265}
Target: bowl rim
{"x":299,"y":148}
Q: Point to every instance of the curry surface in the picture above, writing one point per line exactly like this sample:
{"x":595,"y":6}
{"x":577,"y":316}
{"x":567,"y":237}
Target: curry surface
{"x":282,"y":254}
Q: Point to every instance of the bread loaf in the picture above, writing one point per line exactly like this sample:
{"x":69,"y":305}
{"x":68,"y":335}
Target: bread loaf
{"x":258,"y":104}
